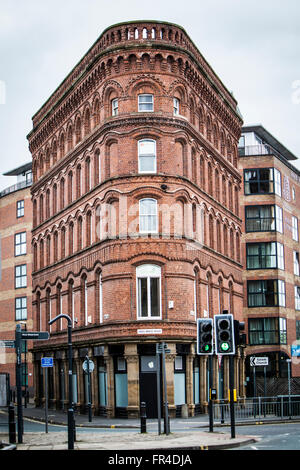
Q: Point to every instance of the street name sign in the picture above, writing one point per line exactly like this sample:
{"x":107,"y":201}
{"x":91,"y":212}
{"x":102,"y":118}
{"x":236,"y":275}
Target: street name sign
{"x":47,"y":362}
{"x":35,"y":335}
{"x":7,"y":343}
{"x":259,"y":361}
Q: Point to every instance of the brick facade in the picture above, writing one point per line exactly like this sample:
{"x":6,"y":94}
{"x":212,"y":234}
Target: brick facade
{"x":91,"y":238}
{"x":13,"y":309}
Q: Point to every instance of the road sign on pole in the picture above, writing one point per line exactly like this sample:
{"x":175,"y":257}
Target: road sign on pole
{"x":259,"y":361}
{"x":47,"y":362}
{"x":35,"y":335}
{"x":7,"y":343}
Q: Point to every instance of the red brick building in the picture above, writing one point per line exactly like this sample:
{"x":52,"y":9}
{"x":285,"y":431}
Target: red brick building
{"x":270,"y":251}
{"x":16,"y":268}
{"x":136,"y":219}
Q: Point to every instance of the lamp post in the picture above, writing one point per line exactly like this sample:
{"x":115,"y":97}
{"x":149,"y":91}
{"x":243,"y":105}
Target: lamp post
{"x":71,"y":421}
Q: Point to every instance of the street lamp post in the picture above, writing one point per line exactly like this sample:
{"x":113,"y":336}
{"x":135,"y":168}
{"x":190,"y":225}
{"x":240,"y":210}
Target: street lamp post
{"x":71,"y":421}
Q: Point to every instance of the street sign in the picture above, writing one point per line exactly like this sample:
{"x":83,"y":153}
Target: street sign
{"x":7,"y":343}
{"x":47,"y":362}
{"x":35,"y":335}
{"x":259,"y":361}
{"x":88,"y":364}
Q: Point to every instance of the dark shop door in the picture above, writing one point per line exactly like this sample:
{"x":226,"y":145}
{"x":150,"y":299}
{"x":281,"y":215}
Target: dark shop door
{"x":148,"y":385}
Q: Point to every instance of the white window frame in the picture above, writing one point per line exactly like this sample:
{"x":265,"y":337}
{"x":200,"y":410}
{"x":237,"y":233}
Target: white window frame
{"x":100,"y":298}
{"x":20,"y":244}
{"x":277,"y":182}
{"x":147,"y":271}
{"x":140,"y":104}
{"x":176,"y":106}
{"x":281,"y":293}
{"x":296,"y":263}
{"x":295,"y":228}
{"x":150,"y":155}
{"x":297,"y":297}
{"x":148,"y":215}
{"x":115,"y":107}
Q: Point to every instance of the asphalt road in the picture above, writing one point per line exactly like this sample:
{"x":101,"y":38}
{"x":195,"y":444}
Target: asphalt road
{"x":273,"y":437}
{"x":284,"y":436}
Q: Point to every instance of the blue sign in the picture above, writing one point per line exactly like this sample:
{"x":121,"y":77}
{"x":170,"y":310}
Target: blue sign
{"x":47,"y":362}
{"x":295,"y":350}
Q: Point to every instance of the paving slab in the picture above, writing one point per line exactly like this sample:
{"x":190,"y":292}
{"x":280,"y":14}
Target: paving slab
{"x":122,"y":441}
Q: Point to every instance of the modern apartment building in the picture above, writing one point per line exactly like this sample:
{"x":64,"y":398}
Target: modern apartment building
{"x":136,"y":223}
{"x":16,"y":269}
{"x":270,"y":250}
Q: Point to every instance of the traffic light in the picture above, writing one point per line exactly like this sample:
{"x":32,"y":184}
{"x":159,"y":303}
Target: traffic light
{"x":224,"y":334}
{"x":239,"y":338}
{"x":204,"y":336}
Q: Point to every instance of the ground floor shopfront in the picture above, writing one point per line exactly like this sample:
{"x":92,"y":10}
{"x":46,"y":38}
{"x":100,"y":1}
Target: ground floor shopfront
{"x":125,"y":375}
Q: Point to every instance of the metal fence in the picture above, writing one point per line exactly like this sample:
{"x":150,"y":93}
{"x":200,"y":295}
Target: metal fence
{"x":279,"y":407}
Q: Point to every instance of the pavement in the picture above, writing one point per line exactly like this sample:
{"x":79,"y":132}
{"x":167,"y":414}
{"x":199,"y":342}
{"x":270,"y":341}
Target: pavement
{"x":188,"y":434}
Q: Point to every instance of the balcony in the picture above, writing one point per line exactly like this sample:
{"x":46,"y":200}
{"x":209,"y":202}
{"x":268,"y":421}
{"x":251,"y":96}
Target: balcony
{"x":259,"y":149}
{"x":16,"y":187}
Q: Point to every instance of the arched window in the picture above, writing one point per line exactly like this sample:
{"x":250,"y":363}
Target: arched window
{"x":211,"y":232}
{"x":87,"y":122}
{"x":48,"y":204}
{"x":70,"y":187}
{"x":79,"y":234}
{"x":148,"y":216}
{"x":41,"y":209}
{"x":63,"y":243}
{"x":96,"y":112}
{"x":55,"y":247}
{"x":42,"y":254}
{"x":34,"y":213}
{"x":88,"y":228}
{"x":70,"y":138}
{"x":97,"y":168}
{"x":147,"y":156}
{"x":54,"y":199}
{"x":209,"y":178}
{"x":78,"y":181}
{"x":48,"y":250}
{"x":62,"y":146}
{"x":84,"y":301}
{"x":78,"y":130}
{"x":217,"y":185}
{"x":148,"y":291}
{"x":62,"y":193}
{"x":238,"y":248}
{"x":35,"y":257}
{"x":87,"y":175}
{"x":71,"y":238}
{"x":218,"y":236}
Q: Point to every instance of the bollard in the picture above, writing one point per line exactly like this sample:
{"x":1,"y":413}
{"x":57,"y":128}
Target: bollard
{"x":12,"y":424}
{"x":143,"y":417}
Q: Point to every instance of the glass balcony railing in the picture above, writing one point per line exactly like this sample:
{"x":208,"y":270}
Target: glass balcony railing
{"x":16,"y":187}
{"x":260,"y":149}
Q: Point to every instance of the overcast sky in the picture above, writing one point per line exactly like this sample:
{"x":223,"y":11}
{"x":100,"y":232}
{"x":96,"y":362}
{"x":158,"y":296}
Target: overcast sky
{"x":254,"y":47}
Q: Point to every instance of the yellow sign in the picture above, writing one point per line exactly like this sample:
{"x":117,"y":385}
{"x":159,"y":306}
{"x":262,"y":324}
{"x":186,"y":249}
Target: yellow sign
{"x":234,"y":394}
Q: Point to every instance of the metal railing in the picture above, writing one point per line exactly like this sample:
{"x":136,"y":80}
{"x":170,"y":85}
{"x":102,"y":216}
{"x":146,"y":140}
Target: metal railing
{"x":16,"y":187}
{"x":259,"y":149}
{"x":281,"y":406}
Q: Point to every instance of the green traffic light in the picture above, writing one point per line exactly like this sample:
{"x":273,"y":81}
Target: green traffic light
{"x":225,"y":346}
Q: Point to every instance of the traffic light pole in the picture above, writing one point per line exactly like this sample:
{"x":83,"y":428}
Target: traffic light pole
{"x":210,"y":403}
{"x":231,"y":388}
